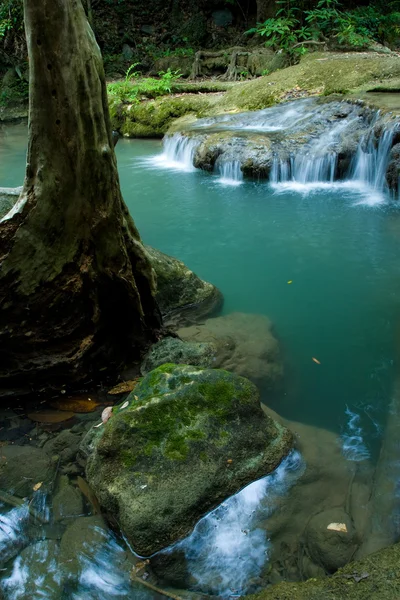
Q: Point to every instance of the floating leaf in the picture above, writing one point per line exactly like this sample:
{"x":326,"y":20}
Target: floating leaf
{"x":50,"y":416}
{"x":124,"y":387}
{"x":37,"y":486}
{"x":289,"y":282}
{"x":337,"y":527}
{"x":77,"y":404}
{"x":99,"y":425}
{"x":125,"y":404}
{"x":106,"y":414}
{"x":316,"y":360}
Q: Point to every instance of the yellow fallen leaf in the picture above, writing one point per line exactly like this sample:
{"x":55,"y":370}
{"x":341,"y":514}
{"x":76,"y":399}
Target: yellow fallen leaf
{"x":316,"y":360}
{"x":124,"y":387}
{"x":37,"y":486}
{"x":337,"y":527}
{"x":290,"y":281}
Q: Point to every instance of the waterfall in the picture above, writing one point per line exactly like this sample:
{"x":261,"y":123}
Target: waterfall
{"x":304,"y":169}
{"x":370,"y":162}
{"x":229,"y":173}
{"x":317,"y":167}
{"x":178,"y":153}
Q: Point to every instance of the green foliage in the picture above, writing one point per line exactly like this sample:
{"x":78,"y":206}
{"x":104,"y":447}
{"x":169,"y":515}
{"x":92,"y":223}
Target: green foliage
{"x":11,"y":16}
{"x":134,"y":86}
{"x":15,"y":94}
{"x":292,"y":27}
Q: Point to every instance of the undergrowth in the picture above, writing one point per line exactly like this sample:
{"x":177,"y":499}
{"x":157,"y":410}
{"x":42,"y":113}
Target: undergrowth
{"x":295,"y":30}
{"x":134,"y":86}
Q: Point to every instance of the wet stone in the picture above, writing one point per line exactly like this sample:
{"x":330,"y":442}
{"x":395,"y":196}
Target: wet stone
{"x":68,"y":501}
{"x":22,"y":467}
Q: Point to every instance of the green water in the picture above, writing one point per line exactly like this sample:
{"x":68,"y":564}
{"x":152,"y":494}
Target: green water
{"x":341,"y":255}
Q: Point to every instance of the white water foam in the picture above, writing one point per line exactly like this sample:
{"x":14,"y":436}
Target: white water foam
{"x":227,"y":548}
{"x":361,"y":193}
{"x":12,"y":531}
{"x":353,"y":446}
{"x":177,"y":154}
{"x":230,"y":173}
{"x":47,"y":581}
{"x":278,"y":118}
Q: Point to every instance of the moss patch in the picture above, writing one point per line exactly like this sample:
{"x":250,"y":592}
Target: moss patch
{"x":380,"y":581}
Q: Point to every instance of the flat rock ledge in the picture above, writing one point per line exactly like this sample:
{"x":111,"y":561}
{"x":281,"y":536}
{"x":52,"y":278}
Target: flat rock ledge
{"x":188,"y":439}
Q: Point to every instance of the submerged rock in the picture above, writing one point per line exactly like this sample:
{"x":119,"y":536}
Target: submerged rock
{"x":63,"y":446}
{"x":84,"y":537}
{"x":331,"y":539}
{"x":179,"y":352}
{"x":244,"y":345}
{"x":181,"y":295}
{"x":22,"y":467}
{"x":189,"y":438}
{"x":67,"y":502}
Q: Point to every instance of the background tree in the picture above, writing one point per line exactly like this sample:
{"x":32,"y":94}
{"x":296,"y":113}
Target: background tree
{"x":76,"y":285}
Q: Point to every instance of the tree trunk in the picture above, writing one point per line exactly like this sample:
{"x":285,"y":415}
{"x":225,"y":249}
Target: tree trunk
{"x":76,"y":285}
{"x":265,"y":10}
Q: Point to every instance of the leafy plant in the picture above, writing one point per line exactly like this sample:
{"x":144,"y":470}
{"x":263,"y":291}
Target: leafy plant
{"x":290,"y":29}
{"x":133,"y":87}
{"x":10,"y":16}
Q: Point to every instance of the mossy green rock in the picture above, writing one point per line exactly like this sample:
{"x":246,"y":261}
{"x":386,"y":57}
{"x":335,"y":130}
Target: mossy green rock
{"x":376,"y":577}
{"x":181,"y":294}
{"x":189,"y":438}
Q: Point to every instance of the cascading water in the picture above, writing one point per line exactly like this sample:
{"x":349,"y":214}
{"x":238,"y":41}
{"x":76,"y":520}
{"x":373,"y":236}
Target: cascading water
{"x":370,"y":162}
{"x":227,"y":548}
{"x":333,"y":145}
{"x":178,"y":153}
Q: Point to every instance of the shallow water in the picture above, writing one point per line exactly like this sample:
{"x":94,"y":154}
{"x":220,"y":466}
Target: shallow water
{"x":337,"y":245}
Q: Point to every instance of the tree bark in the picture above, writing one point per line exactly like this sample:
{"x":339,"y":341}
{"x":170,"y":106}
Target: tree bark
{"x":76,"y":285}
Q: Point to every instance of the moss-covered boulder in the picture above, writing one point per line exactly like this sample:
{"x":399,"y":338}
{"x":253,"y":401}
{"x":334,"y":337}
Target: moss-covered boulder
{"x":152,"y":118}
{"x":376,"y":577}
{"x":188,"y":439}
{"x":181,"y":295}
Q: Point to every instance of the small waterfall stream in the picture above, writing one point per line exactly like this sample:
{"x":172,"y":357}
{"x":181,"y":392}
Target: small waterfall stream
{"x":229,"y":173}
{"x":178,"y":153}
